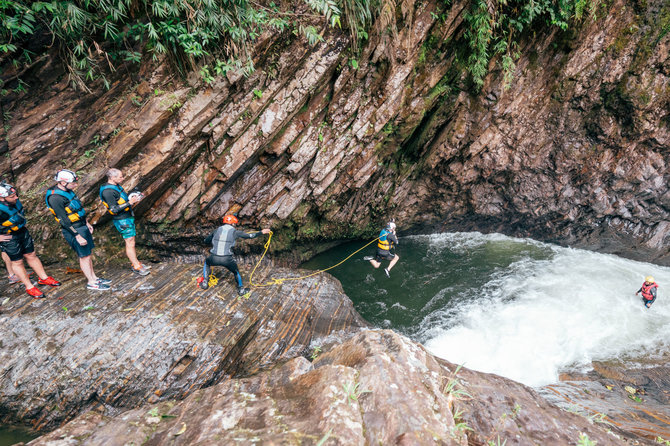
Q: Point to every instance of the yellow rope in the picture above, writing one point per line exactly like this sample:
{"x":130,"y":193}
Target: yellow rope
{"x":279,"y":281}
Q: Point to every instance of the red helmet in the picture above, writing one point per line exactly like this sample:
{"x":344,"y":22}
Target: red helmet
{"x":230,"y":219}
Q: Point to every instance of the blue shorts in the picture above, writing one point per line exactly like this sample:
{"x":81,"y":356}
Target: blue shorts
{"x":126,"y":226}
{"x":82,"y":251}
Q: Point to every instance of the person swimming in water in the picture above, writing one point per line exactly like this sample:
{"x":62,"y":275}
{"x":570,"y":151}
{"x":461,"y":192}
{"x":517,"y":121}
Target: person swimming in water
{"x":648,"y":290}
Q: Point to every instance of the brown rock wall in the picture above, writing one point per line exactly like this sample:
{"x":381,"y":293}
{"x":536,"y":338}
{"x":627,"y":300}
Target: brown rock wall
{"x":576,"y":151}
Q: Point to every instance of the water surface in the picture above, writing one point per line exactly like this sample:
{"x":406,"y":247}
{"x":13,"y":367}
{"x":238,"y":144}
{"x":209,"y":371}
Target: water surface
{"x":516,"y":307}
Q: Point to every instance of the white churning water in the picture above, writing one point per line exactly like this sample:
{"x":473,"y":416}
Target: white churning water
{"x":537,"y":318}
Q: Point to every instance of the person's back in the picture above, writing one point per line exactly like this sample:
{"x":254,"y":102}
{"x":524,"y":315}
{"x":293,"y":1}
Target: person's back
{"x":221,"y":254}
{"x":223,"y":240}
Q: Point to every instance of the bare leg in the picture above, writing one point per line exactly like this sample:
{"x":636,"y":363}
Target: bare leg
{"x":8,"y":264}
{"x":35,"y":264}
{"x":86,"y":265}
{"x":20,"y":271}
{"x":130,"y":252}
{"x":393,"y":262}
{"x":375,"y":263}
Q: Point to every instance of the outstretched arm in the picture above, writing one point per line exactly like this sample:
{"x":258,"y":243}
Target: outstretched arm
{"x":242,"y":234}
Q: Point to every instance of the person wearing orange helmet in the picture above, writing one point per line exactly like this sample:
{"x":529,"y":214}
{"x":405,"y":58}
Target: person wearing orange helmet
{"x":221,"y":254}
{"x":648,"y":290}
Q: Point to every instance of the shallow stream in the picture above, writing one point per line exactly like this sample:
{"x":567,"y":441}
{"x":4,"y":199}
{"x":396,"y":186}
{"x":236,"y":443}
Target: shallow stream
{"x":516,"y":307}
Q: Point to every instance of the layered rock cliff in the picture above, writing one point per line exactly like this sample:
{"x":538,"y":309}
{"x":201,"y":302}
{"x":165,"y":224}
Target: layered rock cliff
{"x":323,"y":143}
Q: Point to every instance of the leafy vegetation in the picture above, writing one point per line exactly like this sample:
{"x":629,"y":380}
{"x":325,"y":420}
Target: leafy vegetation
{"x":494,"y":29}
{"x":584,"y":440}
{"x":95,"y":36}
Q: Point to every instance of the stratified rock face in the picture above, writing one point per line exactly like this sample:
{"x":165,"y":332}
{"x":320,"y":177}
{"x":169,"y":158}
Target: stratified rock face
{"x":376,"y":388}
{"x":576,"y":151}
{"x":153,"y":338}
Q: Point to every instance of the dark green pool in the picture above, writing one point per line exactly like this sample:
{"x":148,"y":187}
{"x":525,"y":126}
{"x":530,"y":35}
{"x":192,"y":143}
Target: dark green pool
{"x":434,"y":272}
{"x":10,"y":435}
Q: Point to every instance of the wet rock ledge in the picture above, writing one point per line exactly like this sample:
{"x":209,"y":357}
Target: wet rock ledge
{"x":152,"y":339}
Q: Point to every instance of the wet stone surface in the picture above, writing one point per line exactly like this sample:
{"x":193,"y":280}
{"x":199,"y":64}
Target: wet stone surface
{"x":633,"y":400}
{"x":152,"y":338}
{"x":376,"y":388}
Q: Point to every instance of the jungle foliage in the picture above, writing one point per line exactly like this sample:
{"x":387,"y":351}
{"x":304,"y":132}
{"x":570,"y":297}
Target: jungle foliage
{"x":494,"y":29}
{"x":95,"y":36}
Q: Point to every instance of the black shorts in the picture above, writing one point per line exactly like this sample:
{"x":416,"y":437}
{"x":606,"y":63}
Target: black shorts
{"x":20,"y":244}
{"x":383,"y":254}
{"x":82,"y":251}
{"x":225,"y":261}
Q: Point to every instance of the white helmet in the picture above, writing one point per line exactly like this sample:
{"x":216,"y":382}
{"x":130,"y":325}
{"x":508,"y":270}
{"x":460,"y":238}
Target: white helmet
{"x":391,"y":226}
{"x":6,"y":190}
{"x":66,"y":175}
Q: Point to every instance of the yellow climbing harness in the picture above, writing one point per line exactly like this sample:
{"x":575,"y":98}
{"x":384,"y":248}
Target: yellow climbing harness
{"x":279,"y":281}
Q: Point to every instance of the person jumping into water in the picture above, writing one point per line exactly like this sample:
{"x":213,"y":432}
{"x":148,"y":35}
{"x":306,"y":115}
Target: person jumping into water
{"x":648,"y":290}
{"x":387,"y":240}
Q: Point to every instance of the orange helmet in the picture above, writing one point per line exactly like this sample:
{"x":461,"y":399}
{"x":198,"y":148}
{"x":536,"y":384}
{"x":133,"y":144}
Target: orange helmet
{"x":230,"y":219}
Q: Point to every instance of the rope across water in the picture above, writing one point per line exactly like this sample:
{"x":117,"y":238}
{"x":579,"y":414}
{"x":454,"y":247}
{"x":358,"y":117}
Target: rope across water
{"x":279,"y":281}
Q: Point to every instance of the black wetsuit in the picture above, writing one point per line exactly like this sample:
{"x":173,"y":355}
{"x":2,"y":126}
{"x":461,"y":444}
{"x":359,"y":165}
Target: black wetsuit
{"x":221,"y":254}
{"x":120,"y":211}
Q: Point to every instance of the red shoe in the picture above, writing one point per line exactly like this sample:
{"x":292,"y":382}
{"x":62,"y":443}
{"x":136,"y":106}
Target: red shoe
{"x":37,"y":294}
{"x":48,"y":281}
{"x":202,"y":283}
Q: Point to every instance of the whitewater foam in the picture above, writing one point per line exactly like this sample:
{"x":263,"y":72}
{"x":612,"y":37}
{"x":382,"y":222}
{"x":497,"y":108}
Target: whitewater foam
{"x":536,"y":318}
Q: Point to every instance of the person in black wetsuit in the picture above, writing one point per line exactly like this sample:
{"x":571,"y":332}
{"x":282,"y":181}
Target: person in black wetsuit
{"x":17,"y":244}
{"x":221,"y":254}
{"x":120,"y":205}
{"x":648,"y":290}
{"x":69,"y":212}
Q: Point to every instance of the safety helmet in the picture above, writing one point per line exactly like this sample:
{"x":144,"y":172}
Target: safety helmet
{"x":230,"y":220}
{"x":6,"y":190}
{"x":391,"y":226}
{"x":649,"y":279}
{"x":66,"y":175}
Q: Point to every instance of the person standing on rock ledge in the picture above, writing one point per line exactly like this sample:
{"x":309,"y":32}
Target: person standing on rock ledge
{"x":69,"y":212}
{"x":387,"y":240}
{"x":17,"y":244}
{"x":648,"y":290}
{"x":119,"y":204}
{"x":221,"y":254}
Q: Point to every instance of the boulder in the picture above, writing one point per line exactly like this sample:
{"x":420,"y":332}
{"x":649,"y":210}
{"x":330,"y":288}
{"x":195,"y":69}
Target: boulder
{"x":377,"y":387}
